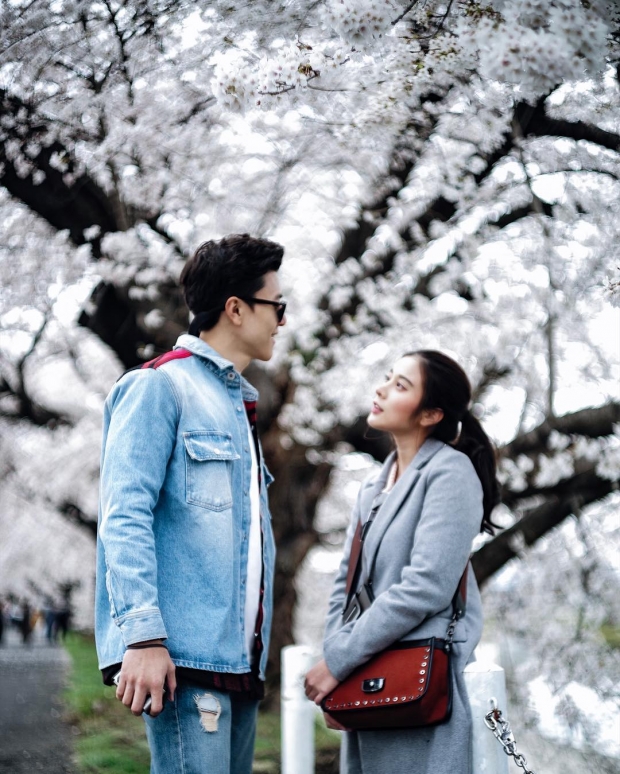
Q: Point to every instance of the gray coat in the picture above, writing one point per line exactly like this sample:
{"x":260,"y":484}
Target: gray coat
{"x":420,"y":542}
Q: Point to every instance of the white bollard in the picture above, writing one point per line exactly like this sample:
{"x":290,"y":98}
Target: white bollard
{"x":486,"y":681}
{"x":298,"y":712}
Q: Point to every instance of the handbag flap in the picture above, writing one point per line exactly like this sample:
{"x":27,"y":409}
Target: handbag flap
{"x":395,"y":676}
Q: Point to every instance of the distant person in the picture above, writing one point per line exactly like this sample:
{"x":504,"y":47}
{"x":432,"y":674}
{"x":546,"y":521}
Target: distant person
{"x":49,"y":617}
{"x":16,"y":615}
{"x":433,"y":495}
{"x":26,"y":622}
{"x":1,"y":620}
{"x":63,"y":620}
{"x":186,"y":550}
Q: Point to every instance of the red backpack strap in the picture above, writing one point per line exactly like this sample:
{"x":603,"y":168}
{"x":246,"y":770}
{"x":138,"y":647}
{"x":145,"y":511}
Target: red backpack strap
{"x":174,"y":354}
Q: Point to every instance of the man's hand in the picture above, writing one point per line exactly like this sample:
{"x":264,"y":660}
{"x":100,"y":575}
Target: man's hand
{"x":143,"y":673}
{"x":319,"y":682}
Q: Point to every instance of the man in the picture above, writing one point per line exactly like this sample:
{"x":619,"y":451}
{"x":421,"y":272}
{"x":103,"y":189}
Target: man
{"x":185,"y":549}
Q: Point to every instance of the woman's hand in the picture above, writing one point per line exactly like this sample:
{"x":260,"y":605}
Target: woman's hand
{"x":319,"y":682}
{"x":331,"y":723}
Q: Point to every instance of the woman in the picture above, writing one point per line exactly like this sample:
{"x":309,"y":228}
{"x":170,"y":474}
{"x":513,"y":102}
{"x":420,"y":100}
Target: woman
{"x":441,"y":489}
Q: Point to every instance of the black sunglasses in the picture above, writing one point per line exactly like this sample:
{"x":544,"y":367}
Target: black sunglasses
{"x":280,"y":306}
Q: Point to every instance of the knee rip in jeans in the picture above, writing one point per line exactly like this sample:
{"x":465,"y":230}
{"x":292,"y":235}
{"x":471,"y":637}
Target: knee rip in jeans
{"x":210,"y":710}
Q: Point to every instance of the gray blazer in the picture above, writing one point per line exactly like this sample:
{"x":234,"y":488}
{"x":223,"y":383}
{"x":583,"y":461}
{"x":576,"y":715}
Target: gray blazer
{"x":420,"y":542}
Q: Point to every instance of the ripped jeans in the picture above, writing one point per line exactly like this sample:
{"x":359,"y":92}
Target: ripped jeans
{"x":204,"y":731}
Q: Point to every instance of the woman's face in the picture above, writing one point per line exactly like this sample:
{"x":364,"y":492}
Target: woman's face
{"x":397,"y":399}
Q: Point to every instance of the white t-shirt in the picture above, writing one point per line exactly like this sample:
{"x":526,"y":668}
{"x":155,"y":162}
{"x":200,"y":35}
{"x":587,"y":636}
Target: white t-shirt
{"x":255,"y":558}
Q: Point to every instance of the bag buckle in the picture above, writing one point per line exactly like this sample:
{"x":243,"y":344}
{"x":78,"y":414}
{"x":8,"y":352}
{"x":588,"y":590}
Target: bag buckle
{"x":373,"y":685}
{"x":352,"y":612}
{"x":359,"y":603}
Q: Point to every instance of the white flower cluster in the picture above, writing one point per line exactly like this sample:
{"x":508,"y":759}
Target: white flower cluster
{"x":609,"y":464}
{"x":241,"y":81}
{"x":235,"y":81}
{"x":359,"y":21}
{"x":294,"y":66}
{"x":140,"y":260}
{"x":605,"y":452}
{"x":558,"y":441}
{"x":513,"y":473}
{"x":554,"y":469}
{"x":612,"y":288}
{"x":539,"y":44}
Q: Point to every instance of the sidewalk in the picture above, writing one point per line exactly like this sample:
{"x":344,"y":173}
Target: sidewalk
{"x":33,"y":736}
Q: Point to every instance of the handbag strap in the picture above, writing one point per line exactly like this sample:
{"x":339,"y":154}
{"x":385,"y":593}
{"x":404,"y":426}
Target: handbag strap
{"x":355,"y":555}
{"x":354,"y":559}
{"x":459,"y":600}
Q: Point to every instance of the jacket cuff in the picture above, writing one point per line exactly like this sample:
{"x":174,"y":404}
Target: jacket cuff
{"x":336,"y":658}
{"x":141,"y":626}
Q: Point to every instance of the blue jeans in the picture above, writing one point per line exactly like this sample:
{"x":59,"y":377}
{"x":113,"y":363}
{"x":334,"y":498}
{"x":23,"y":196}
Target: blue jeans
{"x":204,"y":731}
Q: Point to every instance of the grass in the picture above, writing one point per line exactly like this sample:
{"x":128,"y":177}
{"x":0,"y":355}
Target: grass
{"x":110,"y":740}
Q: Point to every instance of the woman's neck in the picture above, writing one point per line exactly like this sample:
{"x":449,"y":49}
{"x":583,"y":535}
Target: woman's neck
{"x":407,"y":446}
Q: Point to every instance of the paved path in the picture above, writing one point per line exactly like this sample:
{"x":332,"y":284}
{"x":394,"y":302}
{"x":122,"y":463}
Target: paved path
{"x":33,"y":736}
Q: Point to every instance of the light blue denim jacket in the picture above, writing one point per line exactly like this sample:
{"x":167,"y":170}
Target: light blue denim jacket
{"x":174,"y":514}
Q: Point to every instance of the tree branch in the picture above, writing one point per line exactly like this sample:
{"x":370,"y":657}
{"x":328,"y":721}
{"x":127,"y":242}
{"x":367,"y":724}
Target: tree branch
{"x":25,"y":406}
{"x":76,"y":516}
{"x":569,"y":496}
{"x":589,"y":422}
{"x":540,"y":124}
{"x":67,"y":199}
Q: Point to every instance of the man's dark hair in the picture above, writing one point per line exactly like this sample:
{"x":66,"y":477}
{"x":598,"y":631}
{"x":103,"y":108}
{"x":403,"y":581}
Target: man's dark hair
{"x":233,"y":266}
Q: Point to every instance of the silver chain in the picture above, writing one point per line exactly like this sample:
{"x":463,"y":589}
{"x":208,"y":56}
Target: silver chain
{"x":503,"y":733}
{"x":450,"y":633}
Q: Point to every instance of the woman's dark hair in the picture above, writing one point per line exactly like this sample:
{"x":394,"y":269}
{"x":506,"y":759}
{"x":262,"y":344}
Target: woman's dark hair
{"x":233,"y":266}
{"x":447,"y":387}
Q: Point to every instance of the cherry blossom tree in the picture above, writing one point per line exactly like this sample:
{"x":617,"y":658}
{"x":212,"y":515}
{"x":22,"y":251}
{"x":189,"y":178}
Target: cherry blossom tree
{"x":442,"y":174}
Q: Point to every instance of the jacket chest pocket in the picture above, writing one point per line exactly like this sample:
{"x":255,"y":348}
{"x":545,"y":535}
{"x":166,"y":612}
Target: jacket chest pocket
{"x":208,"y":464}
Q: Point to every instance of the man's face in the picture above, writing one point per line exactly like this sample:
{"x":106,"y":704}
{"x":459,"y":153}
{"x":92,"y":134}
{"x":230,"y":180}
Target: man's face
{"x":260,"y":323}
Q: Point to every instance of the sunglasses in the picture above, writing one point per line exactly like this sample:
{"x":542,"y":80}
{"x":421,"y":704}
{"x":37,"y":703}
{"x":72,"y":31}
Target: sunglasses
{"x":280,"y":306}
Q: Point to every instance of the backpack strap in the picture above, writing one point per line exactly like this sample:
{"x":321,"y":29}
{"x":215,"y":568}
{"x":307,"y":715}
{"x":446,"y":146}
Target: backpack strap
{"x":174,"y":354}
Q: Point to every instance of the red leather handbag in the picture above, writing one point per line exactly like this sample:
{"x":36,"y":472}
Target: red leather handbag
{"x":405,"y":686}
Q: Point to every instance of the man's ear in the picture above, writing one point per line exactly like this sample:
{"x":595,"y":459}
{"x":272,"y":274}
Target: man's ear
{"x":232,"y":310}
{"x":431,"y":417}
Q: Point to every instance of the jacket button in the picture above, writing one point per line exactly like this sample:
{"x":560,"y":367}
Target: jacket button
{"x":231,"y":375}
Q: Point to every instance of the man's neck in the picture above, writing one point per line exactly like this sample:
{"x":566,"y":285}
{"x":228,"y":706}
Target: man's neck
{"x":227,"y":347}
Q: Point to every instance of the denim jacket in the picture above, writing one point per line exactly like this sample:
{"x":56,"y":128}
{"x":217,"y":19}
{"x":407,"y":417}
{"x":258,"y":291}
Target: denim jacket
{"x":174,"y":514}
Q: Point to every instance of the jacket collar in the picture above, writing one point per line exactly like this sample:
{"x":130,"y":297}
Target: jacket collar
{"x":218,"y":364}
{"x":397,"y":495}
{"x":427,"y":451}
